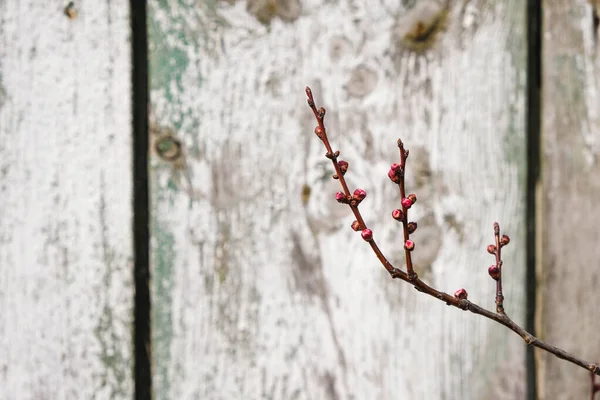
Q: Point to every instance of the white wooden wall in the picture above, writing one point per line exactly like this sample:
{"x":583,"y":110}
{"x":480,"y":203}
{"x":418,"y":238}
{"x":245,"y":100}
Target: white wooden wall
{"x":260,"y":288}
{"x":259,"y":295}
{"x":65,"y":201}
{"x":568,"y":272}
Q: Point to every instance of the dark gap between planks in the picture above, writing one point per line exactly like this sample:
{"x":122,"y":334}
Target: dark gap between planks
{"x":141,"y":213}
{"x":533,"y":127}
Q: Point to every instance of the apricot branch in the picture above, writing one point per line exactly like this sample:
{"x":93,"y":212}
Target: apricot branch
{"x":459,"y":299}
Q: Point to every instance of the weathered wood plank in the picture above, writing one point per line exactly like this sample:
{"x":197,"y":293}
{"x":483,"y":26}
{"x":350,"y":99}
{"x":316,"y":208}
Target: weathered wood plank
{"x":568,"y":274}
{"x":65,"y":201}
{"x":261,"y":290}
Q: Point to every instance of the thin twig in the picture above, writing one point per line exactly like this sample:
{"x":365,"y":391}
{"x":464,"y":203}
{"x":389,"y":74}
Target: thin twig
{"x":407,"y":252}
{"x":459,"y":300}
{"x":594,"y":386}
{"x":499,"y":295}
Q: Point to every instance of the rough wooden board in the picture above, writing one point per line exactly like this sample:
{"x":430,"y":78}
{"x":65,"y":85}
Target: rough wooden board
{"x":65,"y":201}
{"x":568,"y":273}
{"x":257,"y":295}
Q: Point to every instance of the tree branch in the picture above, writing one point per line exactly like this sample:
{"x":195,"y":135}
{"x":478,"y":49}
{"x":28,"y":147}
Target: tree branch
{"x":459,"y":300}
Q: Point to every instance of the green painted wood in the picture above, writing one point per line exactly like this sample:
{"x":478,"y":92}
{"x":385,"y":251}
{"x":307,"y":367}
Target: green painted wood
{"x":263,"y":291}
{"x":66,"y":291}
{"x":568,"y":275}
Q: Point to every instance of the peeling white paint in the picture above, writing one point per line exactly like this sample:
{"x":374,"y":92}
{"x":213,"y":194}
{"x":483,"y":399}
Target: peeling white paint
{"x":65,"y":202}
{"x":568,"y":236}
{"x":326,"y":321}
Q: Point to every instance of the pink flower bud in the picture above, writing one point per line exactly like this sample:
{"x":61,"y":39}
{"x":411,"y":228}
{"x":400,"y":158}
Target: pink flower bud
{"x":398,"y":215}
{"x":504,"y":240}
{"x":355,"y":226}
{"x":461,"y":294}
{"x":341,"y":197}
{"x":343,"y":166}
{"x":406,"y":203}
{"x":409,"y":245}
{"x":367,"y":235}
{"x":491,"y":249}
{"x":393,"y":176}
{"x":413,"y":198}
{"x":359,"y":194}
{"x":411,"y":227}
{"x":395,"y":173}
{"x":494,"y":272}
{"x":319,"y":131}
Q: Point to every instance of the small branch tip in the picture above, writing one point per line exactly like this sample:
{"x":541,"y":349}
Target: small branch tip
{"x":308,"y":92}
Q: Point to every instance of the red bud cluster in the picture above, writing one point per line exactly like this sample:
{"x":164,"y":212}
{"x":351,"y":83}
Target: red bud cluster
{"x":395,"y":173}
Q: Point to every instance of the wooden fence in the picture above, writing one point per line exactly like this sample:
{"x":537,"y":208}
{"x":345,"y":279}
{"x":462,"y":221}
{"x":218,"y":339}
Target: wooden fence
{"x":258,"y":287}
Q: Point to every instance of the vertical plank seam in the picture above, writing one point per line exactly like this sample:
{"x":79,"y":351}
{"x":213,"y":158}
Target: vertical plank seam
{"x":533,"y":126}
{"x":141,"y":213}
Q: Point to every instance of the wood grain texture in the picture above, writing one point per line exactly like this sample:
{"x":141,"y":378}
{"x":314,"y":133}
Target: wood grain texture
{"x":568,"y":273}
{"x":65,"y":201}
{"x":261,"y":289}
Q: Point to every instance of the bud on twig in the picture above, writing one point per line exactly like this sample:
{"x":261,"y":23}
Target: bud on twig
{"x":494,"y":272}
{"x":321,"y":112}
{"x":332,"y":155}
{"x":367,"y":235}
{"x":412,"y":197}
{"x":409,"y":245}
{"x":341,"y":198}
{"x":491,"y":249}
{"x":411,"y":227}
{"x":406,"y":203}
{"x":395,"y":173}
{"x":398,"y":215}
{"x":319,"y":132}
{"x":504,"y":240}
{"x":461,"y":294}
{"x":343,"y":166}
{"x":355,"y":226}
{"x":359,"y":194}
